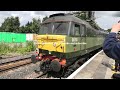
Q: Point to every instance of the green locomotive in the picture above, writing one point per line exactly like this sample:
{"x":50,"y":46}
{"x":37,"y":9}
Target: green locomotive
{"x":64,"y":37}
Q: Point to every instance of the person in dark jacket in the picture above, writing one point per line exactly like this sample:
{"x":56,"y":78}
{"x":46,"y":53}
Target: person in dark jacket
{"x":111,"y":45}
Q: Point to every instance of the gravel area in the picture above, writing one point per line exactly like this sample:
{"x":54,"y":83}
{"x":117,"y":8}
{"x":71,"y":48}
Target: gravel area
{"x":25,"y":72}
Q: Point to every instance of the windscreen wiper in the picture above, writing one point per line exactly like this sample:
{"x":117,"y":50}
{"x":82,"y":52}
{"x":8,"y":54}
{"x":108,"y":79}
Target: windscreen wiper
{"x":58,"y":26}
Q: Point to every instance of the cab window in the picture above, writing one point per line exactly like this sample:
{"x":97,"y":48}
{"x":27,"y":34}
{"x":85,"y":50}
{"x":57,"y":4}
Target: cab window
{"x":82,"y":30}
{"x":77,"y":30}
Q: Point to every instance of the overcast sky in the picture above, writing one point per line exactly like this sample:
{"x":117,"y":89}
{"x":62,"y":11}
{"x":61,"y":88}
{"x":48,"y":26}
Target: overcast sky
{"x":105,"y":19}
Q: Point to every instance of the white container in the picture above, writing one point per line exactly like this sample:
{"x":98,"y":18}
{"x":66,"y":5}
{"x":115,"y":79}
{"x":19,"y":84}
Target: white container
{"x":29,"y":37}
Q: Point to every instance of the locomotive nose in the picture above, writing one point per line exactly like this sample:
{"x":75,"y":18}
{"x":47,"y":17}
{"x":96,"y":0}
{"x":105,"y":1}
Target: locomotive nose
{"x":51,"y":42}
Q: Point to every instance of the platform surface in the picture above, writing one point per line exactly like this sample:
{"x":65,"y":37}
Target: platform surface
{"x":98,"y":68}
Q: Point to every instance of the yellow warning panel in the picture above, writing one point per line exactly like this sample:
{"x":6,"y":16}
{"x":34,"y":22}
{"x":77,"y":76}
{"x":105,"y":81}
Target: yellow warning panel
{"x":52,"y":42}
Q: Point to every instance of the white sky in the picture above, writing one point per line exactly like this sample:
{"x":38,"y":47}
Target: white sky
{"x":105,"y":19}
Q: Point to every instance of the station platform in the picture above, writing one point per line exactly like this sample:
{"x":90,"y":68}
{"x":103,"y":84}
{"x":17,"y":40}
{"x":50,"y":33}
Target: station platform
{"x":97,"y":67}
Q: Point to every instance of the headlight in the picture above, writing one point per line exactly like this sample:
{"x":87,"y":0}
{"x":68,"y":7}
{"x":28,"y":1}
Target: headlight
{"x":43,"y":43}
{"x":54,"y":44}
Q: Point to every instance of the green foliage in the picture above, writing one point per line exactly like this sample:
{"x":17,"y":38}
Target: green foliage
{"x":109,"y":30}
{"x":81,"y":15}
{"x":44,"y":18}
{"x":22,"y":29}
{"x":21,"y":50}
{"x":5,"y":48}
{"x":94,"y":25}
{"x":31,"y":27}
{"x":86,"y":15}
{"x":35,"y":27}
{"x":10,"y":24}
{"x":30,"y":45}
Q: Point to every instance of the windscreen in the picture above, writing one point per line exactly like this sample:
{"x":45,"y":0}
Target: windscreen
{"x":60,"y":28}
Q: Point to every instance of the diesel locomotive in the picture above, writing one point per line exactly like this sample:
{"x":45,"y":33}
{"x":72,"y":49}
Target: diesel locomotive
{"x":62,"y":38}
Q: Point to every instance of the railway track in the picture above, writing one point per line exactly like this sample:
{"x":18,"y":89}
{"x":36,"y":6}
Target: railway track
{"x":8,"y":57}
{"x":13,"y":64}
{"x":1,"y":57}
{"x":7,"y":65}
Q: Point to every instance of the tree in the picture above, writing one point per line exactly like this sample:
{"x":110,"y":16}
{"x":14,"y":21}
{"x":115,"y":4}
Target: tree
{"x":81,"y":15}
{"x":1,"y":29}
{"x":31,"y":27}
{"x":10,"y":24}
{"x":87,"y":16}
{"x":36,"y":25}
{"x":27,"y":27}
{"x":44,"y":18}
{"x":109,"y":30}
{"x":16,"y":24}
{"x":22,"y":29}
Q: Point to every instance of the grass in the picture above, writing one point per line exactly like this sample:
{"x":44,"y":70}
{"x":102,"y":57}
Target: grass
{"x":6,"y":49}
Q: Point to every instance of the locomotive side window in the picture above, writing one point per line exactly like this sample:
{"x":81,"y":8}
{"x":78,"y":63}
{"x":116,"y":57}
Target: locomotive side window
{"x":89,"y":32}
{"x":82,"y":30}
{"x":77,"y":30}
{"x":72,"y":30}
{"x":97,"y":33}
{"x":94,"y":33}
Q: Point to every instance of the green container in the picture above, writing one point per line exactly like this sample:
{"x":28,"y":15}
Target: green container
{"x":3,"y":37}
{"x":12,"y":37}
{"x":23,"y":38}
{"x":17,"y":38}
{"x":8,"y":37}
{"x":0,"y":36}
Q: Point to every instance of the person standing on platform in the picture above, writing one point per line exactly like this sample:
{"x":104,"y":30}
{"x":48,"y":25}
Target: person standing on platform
{"x":111,"y":45}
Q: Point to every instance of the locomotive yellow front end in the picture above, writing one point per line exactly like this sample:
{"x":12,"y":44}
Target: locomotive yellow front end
{"x":49,"y":49}
{"x":51,"y":43}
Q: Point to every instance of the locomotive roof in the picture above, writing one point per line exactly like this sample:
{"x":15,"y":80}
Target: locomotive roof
{"x":67,"y":18}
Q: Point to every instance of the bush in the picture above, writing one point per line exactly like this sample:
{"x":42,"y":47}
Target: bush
{"x":5,"y":48}
{"x":30,"y":46}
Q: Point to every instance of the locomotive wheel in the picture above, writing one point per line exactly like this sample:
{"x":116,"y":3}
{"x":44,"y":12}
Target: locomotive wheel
{"x":0,"y":57}
{"x":33,"y":59}
{"x":55,"y":65}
